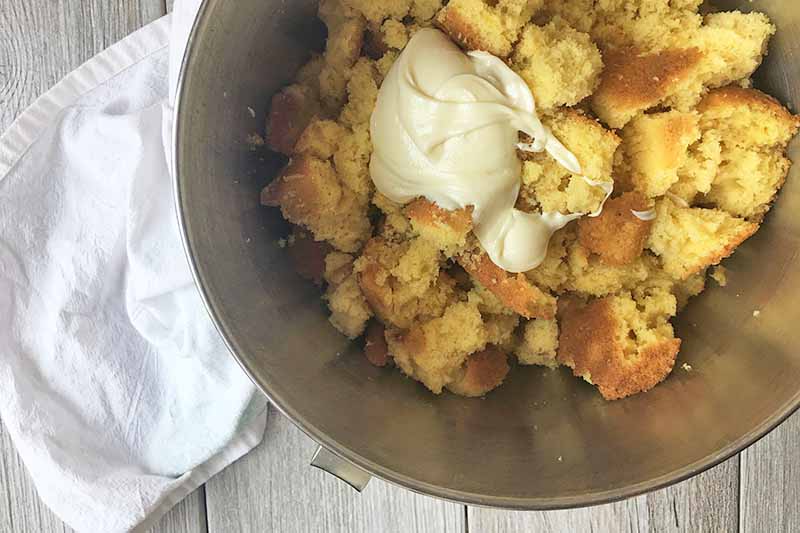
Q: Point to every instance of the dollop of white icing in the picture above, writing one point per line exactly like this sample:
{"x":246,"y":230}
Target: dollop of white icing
{"x":646,"y":216}
{"x":446,"y":127}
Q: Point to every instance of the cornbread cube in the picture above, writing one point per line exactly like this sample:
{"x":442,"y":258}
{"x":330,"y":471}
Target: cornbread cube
{"x":384,"y":64}
{"x":539,"y":344}
{"x":588,"y":275}
{"x":748,"y":181}
{"x":487,"y":301}
{"x":733,"y":45}
{"x":345,"y":39}
{"x":656,"y":147}
{"x":337,"y":267}
{"x":402,"y":281}
{"x":690,"y":239}
{"x":747,"y":118}
{"x":375,"y":348}
{"x":310,"y":195}
{"x":362,"y":92}
{"x":500,"y":329}
{"x":349,"y":309}
{"x":617,"y":236}
{"x":553,"y":273}
{"x":615,"y":346}
{"x":700,"y":168}
{"x":560,"y":64}
{"x":649,"y":25}
{"x":308,"y":75}
{"x":484,"y":25}
{"x":308,"y":256}
{"x":395,"y":34}
{"x":447,"y":230}
{"x":424,"y":10}
{"x":320,"y":139}
{"x":635,"y":81}
{"x":377,"y":12}
{"x":292,"y":109}
{"x":433,"y":352}
{"x":548,"y":186}
{"x":580,"y":14}
{"x":351,"y":161}
{"x":515,"y":291}
{"x":394,"y":225}
{"x":483,"y":372}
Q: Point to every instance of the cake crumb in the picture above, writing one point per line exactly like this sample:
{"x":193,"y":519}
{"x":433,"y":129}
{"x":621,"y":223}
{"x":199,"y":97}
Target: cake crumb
{"x":281,"y":243}
{"x":720,"y":275}
{"x":251,"y":111}
{"x":756,"y":313}
{"x":687,"y":367}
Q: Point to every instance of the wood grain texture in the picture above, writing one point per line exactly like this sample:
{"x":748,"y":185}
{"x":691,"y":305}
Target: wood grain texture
{"x":40,"y":42}
{"x":43,"y":40}
{"x":189,"y":516}
{"x":274,"y":489}
{"x":20,"y":507}
{"x":708,"y":502}
{"x":770,"y":482}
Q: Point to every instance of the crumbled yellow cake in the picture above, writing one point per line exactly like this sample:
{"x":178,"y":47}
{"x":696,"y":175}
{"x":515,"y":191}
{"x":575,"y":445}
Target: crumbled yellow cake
{"x":547,"y":186}
{"x":560,"y":64}
{"x":656,"y":147}
{"x":696,"y":162}
{"x":690,"y":239}
{"x":539,"y":343}
{"x":483,"y":372}
{"x":619,"y":234}
{"x":434,"y":351}
{"x":447,"y":230}
{"x":491,"y":26}
{"x":615,"y":345}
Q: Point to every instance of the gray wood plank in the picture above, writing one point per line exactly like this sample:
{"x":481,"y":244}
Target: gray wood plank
{"x":20,"y":507}
{"x":274,"y":489}
{"x":40,"y":42}
{"x":189,"y":516}
{"x":708,"y":502}
{"x":770,"y":496}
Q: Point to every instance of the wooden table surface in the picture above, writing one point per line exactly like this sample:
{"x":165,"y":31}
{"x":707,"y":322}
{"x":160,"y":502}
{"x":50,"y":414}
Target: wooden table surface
{"x":273,"y":489}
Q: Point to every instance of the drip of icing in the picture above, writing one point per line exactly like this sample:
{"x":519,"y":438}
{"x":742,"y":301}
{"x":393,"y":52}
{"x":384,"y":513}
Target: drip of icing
{"x":647,"y":216}
{"x":446,"y":126}
{"x":677,"y":199}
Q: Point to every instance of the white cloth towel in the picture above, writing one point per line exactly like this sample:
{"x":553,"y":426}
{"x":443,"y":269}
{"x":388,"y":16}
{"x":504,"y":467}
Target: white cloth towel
{"x":114,"y":384}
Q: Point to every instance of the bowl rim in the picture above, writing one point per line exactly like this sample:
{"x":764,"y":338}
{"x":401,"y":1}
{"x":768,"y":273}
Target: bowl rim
{"x":387,"y":474}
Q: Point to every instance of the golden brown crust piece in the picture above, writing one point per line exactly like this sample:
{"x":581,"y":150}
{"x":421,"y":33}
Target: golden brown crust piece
{"x":483,"y":372}
{"x":375,"y":348}
{"x":308,"y":256}
{"x":589,"y":344}
{"x":633,"y":82}
{"x":617,"y":236}
{"x":689,"y":240}
{"x":306,"y":187}
{"x":771,"y":123}
{"x":291,"y":111}
{"x":447,"y":229}
{"x":515,"y":291}
{"x":400,"y":298}
{"x":310,"y":195}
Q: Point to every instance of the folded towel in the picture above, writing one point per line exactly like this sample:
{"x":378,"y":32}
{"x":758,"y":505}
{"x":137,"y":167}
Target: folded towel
{"x":114,"y":384}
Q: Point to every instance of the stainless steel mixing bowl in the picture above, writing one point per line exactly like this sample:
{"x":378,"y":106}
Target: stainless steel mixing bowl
{"x":543,"y":440}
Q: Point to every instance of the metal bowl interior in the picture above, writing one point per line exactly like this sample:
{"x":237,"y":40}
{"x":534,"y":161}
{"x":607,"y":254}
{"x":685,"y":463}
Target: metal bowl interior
{"x":545,"y":439}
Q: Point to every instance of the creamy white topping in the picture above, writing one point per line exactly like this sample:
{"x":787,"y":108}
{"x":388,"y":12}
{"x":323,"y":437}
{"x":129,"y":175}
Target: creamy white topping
{"x":648,"y":215}
{"x":446,"y":127}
